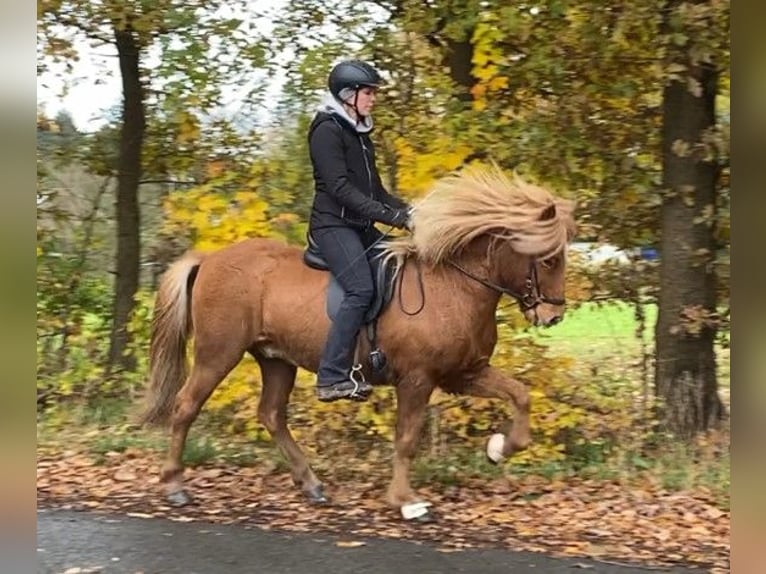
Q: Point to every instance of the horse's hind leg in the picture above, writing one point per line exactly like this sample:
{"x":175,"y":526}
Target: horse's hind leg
{"x":211,"y":364}
{"x":278,"y":381}
{"x":492,"y":383}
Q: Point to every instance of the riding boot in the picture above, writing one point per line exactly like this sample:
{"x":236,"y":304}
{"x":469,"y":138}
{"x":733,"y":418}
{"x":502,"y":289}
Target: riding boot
{"x":336,"y":378}
{"x":350,"y":389}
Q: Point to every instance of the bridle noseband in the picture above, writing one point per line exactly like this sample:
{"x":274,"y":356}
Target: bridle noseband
{"x":532,"y":295}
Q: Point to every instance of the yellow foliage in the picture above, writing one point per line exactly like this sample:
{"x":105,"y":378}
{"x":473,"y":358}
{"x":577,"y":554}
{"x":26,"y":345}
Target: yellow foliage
{"x":236,"y":389}
{"x":214,"y":220}
{"x":188,"y":128}
{"x":487,"y":57}
{"x":497,"y":83}
{"x":418,"y":168}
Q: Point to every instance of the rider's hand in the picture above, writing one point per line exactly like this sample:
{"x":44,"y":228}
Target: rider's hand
{"x":410,"y":222}
{"x":401,"y":218}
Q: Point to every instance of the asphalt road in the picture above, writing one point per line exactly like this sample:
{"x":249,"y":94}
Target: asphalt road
{"x":79,"y":543}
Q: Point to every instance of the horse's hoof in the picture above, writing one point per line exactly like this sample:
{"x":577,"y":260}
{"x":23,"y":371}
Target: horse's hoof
{"x":495,"y":446}
{"x":316,"y":495}
{"x":179,"y":498}
{"x":427,"y":518}
{"x":417,"y":512}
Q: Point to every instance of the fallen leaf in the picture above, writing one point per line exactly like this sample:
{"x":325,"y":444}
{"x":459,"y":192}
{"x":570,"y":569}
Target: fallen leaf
{"x":596,"y":550}
{"x":125,"y":475}
{"x":211,"y":473}
{"x":714,"y":513}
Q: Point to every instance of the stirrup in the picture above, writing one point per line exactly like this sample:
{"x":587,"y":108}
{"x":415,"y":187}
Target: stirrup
{"x":356,"y":376}
{"x":362,"y":388}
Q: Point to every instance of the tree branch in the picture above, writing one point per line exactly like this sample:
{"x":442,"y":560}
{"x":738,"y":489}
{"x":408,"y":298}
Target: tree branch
{"x":90,"y":32}
{"x":168,"y":181}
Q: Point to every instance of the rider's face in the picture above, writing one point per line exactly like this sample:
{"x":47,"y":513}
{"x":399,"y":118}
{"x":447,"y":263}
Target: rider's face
{"x":365,"y":100}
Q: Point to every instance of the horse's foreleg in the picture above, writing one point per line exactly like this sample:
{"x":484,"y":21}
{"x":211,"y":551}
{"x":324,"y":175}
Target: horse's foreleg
{"x":491,"y":383}
{"x":278,"y":381}
{"x":204,"y":377}
{"x":411,"y":401}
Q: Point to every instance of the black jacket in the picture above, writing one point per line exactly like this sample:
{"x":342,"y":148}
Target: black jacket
{"x":348,"y":189}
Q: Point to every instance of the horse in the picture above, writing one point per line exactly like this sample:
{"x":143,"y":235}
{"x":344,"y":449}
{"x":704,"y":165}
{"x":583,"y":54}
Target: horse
{"x":477,"y":235}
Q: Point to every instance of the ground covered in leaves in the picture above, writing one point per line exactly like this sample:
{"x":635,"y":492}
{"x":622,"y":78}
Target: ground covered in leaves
{"x":601,"y":520}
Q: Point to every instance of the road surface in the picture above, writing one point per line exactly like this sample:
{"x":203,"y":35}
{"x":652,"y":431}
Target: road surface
{"x":81,"y":542}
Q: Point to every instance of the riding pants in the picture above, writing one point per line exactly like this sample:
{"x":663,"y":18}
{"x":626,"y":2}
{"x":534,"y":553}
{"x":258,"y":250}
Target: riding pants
{"x":344,"y":250}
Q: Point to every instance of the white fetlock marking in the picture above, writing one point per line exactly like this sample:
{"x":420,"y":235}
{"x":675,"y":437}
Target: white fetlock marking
{"x":495,"y":447}
{"x":414,"y":509}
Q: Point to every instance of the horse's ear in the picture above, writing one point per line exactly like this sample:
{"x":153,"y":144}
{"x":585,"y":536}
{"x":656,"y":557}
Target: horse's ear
{"x":548,"y":213}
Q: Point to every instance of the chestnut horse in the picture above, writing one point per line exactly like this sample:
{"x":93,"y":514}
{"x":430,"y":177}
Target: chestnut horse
{"x":477,"y":235}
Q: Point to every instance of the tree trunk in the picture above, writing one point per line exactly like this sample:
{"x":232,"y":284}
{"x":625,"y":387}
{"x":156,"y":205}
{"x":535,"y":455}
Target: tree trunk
{"x":128,"y":217}
{"x":685,"y":371}
{"x":459,"y":58}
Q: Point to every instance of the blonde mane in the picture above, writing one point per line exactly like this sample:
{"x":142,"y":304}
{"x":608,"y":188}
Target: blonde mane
{"x":484,"y":200}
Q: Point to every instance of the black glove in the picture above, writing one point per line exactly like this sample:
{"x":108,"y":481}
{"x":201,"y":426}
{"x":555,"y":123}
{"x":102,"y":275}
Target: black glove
{"x":400,"y":218}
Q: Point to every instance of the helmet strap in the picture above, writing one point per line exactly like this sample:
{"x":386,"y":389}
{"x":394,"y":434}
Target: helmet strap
{"x":353,"y":105}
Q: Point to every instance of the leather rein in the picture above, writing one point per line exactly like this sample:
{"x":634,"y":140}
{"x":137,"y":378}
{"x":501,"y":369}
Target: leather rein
{"x":532,"y":295}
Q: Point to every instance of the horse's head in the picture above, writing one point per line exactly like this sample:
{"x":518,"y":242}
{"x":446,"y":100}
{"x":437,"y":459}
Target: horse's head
{"x":544,"y":304}
{"x":536,"y":280}
{"x":507,"y":234}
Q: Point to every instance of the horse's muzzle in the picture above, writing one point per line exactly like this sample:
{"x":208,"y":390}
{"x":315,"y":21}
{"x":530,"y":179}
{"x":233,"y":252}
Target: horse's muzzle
{"x":544,"y":316}
{"x":554,"y":320}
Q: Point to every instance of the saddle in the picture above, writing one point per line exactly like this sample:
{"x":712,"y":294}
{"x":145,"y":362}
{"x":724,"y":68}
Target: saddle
{"x":383,"y":279}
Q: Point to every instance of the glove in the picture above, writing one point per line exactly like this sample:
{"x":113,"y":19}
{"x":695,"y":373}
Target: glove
{"x":400,"y":219}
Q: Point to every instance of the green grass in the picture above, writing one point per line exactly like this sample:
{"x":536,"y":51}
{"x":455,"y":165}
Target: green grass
{"x":594,"y":331}
{"x":604,"y":337}
{"x":453,"y":467}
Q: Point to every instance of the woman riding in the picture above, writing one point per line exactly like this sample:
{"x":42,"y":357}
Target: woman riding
{"x":349,"y":198}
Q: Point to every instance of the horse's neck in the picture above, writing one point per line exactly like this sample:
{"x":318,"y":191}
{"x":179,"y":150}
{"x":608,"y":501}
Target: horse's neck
{"x":479,"y":297}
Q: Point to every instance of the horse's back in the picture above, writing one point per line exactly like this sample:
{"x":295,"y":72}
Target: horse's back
{"x":248,"y":262}
{"x":252,"y":250}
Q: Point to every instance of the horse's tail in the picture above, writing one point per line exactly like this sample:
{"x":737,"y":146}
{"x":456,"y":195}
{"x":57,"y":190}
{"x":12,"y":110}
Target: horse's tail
{"x":171,"y":326}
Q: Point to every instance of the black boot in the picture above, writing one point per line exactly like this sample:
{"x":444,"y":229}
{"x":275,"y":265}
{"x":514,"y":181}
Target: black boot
{"x":351,"y":390}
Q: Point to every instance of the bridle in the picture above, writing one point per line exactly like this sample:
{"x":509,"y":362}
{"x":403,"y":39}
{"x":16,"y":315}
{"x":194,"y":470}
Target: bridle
{"x":532,"y":295}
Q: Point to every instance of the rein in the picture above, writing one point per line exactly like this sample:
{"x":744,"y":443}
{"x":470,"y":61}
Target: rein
{"x":420,"y":287}
{"x":532,"y":296}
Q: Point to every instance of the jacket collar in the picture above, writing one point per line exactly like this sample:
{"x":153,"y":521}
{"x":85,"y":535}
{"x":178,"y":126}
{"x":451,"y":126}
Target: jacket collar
{"x":332,"y":106}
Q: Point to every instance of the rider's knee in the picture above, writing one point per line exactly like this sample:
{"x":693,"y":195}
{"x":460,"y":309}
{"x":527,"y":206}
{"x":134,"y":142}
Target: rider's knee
{"x":362,"y":295}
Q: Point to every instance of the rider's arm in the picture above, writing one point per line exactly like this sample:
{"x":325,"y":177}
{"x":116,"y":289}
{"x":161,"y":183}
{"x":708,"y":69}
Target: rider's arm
{"x":328,"y":157}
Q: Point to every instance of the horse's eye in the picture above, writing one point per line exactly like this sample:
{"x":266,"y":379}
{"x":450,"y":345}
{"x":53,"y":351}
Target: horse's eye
{"x":548,"y":263}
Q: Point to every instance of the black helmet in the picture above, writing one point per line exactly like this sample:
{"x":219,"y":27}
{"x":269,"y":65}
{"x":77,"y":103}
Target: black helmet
{"x":352,"y":74}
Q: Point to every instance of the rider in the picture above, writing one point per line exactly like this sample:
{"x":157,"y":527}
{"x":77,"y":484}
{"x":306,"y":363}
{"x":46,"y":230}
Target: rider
{"x":349,"y":197}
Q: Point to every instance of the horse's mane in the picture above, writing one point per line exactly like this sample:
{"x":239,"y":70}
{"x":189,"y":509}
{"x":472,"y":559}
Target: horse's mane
{"x":484,"y":200}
